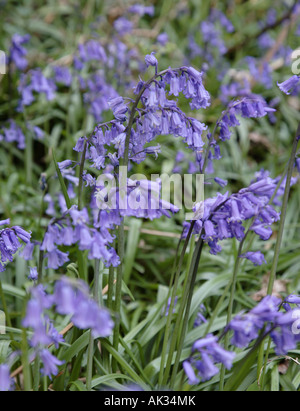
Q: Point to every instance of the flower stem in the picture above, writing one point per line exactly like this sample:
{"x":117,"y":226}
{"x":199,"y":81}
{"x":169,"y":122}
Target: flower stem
{"x":283,"y":213}
{"x":183,"y":307}
{"x":187,"y":298}
{"x":81,"y":170}
{"x":90,"y":362}
{"x":118,"y":298}
{"x":171,"y":308}
{"x":280,"y":235}
{"x":230,"y":307}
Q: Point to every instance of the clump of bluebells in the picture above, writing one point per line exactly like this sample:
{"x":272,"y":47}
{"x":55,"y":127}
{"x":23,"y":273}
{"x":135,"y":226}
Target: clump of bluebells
{"x":70,"y":298}
{"x":11,"y":240}
{"x":265,"y":318}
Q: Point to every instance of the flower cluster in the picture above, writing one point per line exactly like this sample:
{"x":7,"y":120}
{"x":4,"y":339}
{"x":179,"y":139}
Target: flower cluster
{"x":13,"y":134}
{"x":17,"y":52}
{"x":158,"y":116}
{"x":205,"y":354}
{"x":246,"y":328}
{"x":35,"y":82}
{"x":75,"y":228}
{"x":224,"y":216}
{"x":69,"y":298}
{"x":265,"y":315}
{"x":247,"y":108}
{"x":10,"y":242}
{"x":212,"y":33}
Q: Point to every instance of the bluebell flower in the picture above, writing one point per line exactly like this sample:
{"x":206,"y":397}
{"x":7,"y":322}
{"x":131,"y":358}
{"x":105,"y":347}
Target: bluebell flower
{"x":162,"y":39}
{"x":151,"y":60}
{"x":12,"y":134}
{"x":17,"y":52}
{"x":293,"y":299}
{"x":206,"y":353}
{"x":119,"y":108}
{"x":92,"y":50}
{"x":50,"y":363}
{"x":142,"y":10}
{"x":10,"y":242}
{"x":6,"y":383}
{"x":33,"y":276}
{"x":123,"y":26}
{"x":63,"y":76}
{"x":222,"y":183}
{"x":289,"y":85}
{"x":257,"y":257}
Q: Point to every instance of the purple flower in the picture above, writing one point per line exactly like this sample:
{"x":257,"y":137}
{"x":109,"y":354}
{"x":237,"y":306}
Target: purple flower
{"x":10,"y":244}
{"x":27,"y":252}
{"x":6,"y":383}
{"x":289,"y":85}
{"x":119,"y":108}
{"x":63,"y":76}
{"x":80,"y":145}
{"x":123,"y":25}
{"x":151,"y":60}
{"x":85,"y":312}
{"x":142,"y":10}
{"x":222,"y":183}
{"x":257,"y":257}
{"x":293,"y":299}
{"x":17,"y":52}
{"x":35,"y":81}
{"x":205,"y":354}
{"x":92,"y":50}
{"x":162,"y":39}
{"x":33,"y":276}
{"x":56,"y":259}
{"x":189,"y":370}
{"x":12,"y":134}
{"x":51,"y":363}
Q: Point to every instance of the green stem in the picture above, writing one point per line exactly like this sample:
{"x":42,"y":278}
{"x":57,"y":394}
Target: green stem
{"x":118,"y":298}
{"x":25,"y":363}
{"x":230,"y":307}
{"x":90,"y":362}
{"x":110,"y":294}
{"x":188,"y":296}
{"x":36,"y":373}
{"x":182,"y":308}
{"x":29,"y":157}
{"x":81,"y":170}
{"x":172,"y":303}
{"x":280,"y":234}
{"x":283,"y":213}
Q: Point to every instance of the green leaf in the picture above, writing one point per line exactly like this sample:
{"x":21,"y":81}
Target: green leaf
{"x":275,"y":379}
{"x":123,"y":363}
{"x":107,"y":378}
{"x":77,"y":386}
{"x":76,"y":347}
